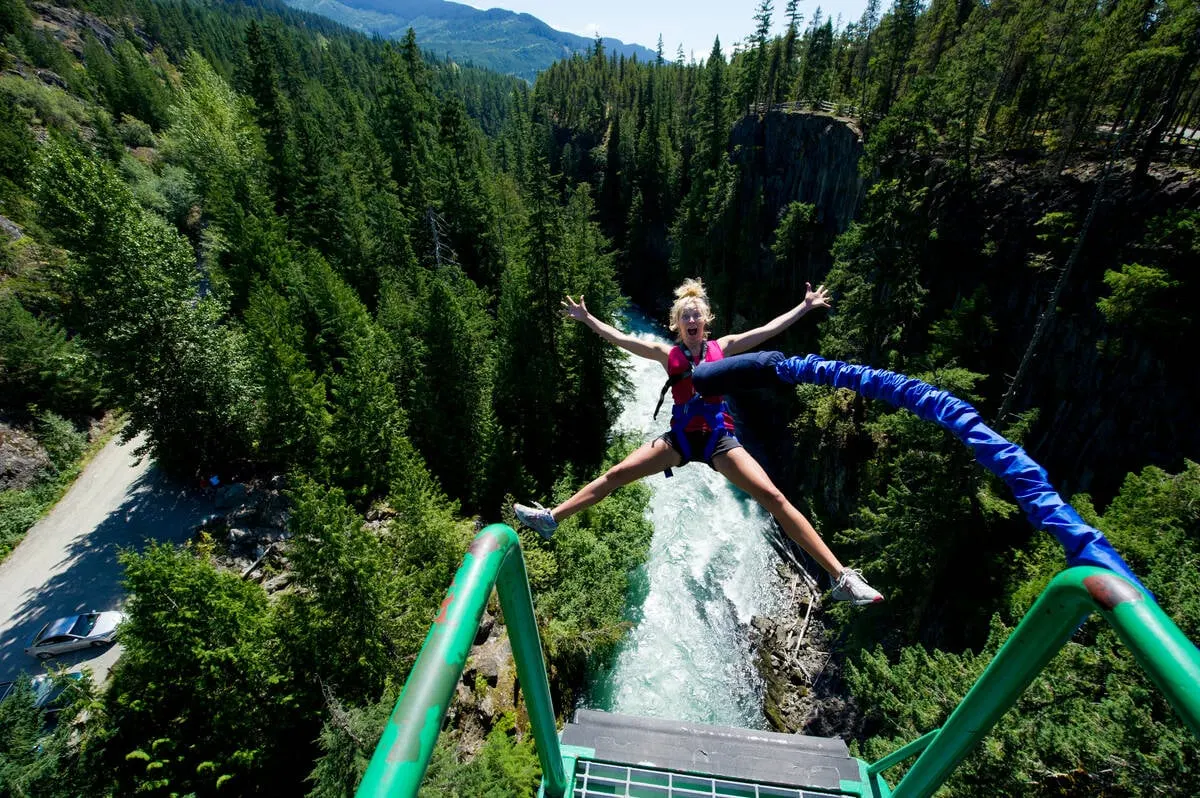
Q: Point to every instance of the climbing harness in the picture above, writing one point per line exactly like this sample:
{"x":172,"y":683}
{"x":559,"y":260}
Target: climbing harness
{"x":716,"y":414}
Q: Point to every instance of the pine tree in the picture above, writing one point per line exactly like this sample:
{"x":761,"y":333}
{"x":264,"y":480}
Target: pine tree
{"x":870,"y":20}
{"x":178,"y":719}
{"x":213,"y":137}
{"x":791,"y":49}
{"x":750,"y":93}
{"x":715,"y":120}
{"x":528,"y":324}
{"x":339,"y":627}
{"x":274,"y":115}
{"x":899,"y":40}
{"x":452,"y":415}
{"x":173,"y":362}
{"x":589,"y":400}
{"x":467,"y":210}
{"x":295,"y":420}
{"x":815,"y":78}
{"x":407,"y":129}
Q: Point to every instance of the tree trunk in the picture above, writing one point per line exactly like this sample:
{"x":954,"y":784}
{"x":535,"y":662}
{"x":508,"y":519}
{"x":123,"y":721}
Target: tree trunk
{"x":1170,"y":102}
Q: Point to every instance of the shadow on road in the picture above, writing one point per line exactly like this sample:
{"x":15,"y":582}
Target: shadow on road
{"x":88,"y":576}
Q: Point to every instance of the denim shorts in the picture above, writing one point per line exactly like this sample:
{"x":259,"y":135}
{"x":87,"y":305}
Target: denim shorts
{"x":698,"y":440}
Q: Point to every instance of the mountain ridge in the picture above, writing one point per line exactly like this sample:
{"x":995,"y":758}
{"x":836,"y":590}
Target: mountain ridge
{"x":498,"y":39}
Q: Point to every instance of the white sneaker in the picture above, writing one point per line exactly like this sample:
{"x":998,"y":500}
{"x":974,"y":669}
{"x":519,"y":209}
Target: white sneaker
{"x":537,"y":518}
{"x":851,"y":587}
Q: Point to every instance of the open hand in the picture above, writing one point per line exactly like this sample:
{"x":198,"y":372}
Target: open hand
{"x":815,"y":299}
{"x":574,"y":310}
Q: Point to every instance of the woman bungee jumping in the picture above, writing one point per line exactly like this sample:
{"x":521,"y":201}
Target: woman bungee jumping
{"x":701,"y":427}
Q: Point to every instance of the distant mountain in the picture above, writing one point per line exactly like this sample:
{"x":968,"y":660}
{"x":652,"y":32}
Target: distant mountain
{"x":504,"y":41}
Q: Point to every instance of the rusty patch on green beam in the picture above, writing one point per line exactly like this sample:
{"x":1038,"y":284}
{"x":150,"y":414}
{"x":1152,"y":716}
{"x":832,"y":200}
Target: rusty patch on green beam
{"x":451,"y":594}
{"x":483,"y":545}
{"x":407,"y":747}
{"x":441,"y":616}
{"x":1108,"y":591}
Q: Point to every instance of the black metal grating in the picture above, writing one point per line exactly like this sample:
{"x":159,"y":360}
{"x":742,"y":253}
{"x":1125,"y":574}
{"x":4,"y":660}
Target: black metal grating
{"x":596,"y":779}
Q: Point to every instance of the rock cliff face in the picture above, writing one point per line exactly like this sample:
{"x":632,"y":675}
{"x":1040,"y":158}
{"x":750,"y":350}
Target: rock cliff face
{"x":803,"y":157}
{"x":1110,"y":401}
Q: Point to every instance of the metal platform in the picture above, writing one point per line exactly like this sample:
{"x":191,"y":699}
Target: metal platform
{"x":645,"y":756}
{"x":595,"y":779}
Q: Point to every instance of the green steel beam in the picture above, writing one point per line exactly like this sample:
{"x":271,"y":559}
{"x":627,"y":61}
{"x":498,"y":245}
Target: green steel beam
{"x":1171,"y":660}
{"x":403,"y":753}
{"x":900,"y":754}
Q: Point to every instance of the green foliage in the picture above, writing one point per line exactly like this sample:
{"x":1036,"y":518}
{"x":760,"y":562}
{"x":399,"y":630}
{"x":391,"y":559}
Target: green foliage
{"x":795,"y":240}
{"x":1147,"y":302}
{"x":1134,"y":287}
{"x":453,"y":420}
{"x":44,"y":749}
{"x":557,"y":392}
{"x":14,"y":17}
{"x":46,"y":52}
{"x":199,"y":648}
{"x":584,"y":590}
{"x":965,"y":328}
{"x":506,"y":767}
{"x":406,"y":121}
{"x":60,"y":439}
{"x":348,"y":741}
{"x":143,"y":93}
{"x":295,"y":420}
{"x":1056,"y":229}
{"x":181,"y":372}
{"x":338,"y":627}
{"x":932,"y":525}
{"x":1092,"y":723}
{"x":16,"y":150}
{"x":23,"y":767}
{"x":368,"y":426}
{"x":50,"y":105}
{"x":41,"y":366}
{"x":877,"y":273}
{"x":213,"y":136}
{"x":19,"y":510}
{"x":134,"y":132}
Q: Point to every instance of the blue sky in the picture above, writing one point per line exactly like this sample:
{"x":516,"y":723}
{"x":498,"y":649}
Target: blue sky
{"x":692,"y":23}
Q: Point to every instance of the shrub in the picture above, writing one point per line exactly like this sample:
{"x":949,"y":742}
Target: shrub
{"x":134,"y":132}
{"x":19,"y":510}
{"x":60,"y":439}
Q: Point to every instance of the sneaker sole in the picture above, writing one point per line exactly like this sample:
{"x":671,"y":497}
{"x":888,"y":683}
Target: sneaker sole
{"x":859,"y":602}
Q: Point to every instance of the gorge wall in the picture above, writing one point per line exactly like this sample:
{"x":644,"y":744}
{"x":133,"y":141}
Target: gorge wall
{"x":802,"y":157}
{"x":1111,"y":398}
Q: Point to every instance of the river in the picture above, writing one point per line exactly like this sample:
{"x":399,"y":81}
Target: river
{"x":710,"y":569}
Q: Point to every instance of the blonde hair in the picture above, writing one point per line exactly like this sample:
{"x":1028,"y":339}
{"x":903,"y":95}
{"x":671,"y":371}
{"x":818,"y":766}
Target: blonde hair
{"x":690,"y":294}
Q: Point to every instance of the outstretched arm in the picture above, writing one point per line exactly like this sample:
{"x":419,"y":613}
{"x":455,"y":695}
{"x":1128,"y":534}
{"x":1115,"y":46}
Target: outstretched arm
{"x":744,"y":342}
{"x":652,"y":350}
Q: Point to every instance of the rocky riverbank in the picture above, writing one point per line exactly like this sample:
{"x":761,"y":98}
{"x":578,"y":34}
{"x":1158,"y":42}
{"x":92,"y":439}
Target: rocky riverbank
{"x":797,"y":662}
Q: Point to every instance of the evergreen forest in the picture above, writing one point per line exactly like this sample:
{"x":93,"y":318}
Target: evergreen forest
{"x":284,"y":251}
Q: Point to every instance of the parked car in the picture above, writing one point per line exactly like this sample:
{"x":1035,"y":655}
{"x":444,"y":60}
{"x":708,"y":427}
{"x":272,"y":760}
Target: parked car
{"x":46,"y":692}
{"x":74,"y":632}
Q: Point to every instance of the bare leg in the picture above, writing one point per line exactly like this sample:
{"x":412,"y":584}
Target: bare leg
{"x":740,"y":468}
{"x":647,"y":459}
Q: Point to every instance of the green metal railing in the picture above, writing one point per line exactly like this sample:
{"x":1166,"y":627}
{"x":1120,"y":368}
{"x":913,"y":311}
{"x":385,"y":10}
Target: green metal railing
{"x":495,"y":559}
{"x":400,"y":760}
{"x":1171,"y":660}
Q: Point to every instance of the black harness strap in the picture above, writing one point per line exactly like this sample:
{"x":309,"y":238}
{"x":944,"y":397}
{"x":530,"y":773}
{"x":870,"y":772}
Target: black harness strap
{"x":672,"y":379}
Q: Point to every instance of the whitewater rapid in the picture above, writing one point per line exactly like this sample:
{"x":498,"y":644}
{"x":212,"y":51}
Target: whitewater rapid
{"x":710,"y":569}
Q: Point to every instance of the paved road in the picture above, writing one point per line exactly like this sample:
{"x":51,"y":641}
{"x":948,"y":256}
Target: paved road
{"x":68,"y":562}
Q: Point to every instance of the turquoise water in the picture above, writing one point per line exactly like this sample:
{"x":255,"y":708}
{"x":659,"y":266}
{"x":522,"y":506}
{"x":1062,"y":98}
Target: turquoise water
{"x":709,"y":570}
